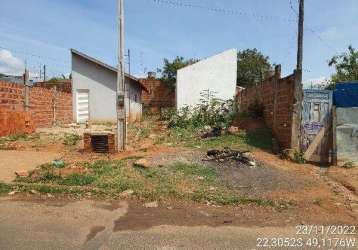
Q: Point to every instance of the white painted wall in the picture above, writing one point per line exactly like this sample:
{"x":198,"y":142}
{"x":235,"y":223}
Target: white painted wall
{"x":217,"y":73}
{"x":101,"y":84}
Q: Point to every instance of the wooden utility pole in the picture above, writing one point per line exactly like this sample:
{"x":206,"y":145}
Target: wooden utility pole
{"x":121,"y":102}
{"x":300,"y":36}
{"x":297,"y":131}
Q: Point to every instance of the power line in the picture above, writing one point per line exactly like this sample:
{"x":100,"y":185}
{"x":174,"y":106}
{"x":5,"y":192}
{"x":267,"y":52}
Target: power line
{"x":180,"y":4}
{"x":223,"y":10}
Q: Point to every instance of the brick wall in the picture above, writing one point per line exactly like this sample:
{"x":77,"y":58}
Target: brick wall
{"x":64,"y":86}
{"x":278,"y":118}
{"x":46,"y":104}
{"x":15,"y":122}
{"x":11,"y":96}
{"x":159,"y":95}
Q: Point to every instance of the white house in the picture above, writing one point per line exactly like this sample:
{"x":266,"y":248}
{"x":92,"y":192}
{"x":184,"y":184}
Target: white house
{"x":217,"y":74}
{"x":94,"y":91}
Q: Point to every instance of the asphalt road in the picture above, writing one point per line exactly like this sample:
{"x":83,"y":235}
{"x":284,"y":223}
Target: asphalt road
{"x":90,"y":225}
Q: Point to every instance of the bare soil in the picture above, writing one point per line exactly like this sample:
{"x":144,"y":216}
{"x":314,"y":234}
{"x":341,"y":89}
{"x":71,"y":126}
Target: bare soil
{"x":12,"y":161}
{"x":318,"y":195}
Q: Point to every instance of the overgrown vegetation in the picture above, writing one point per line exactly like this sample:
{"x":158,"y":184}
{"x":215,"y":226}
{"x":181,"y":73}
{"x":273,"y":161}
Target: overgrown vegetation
{"x":179,"y":181}
{"x":71,"y":139}
{"x":4,"y":188}
{"x":258,"y":139}
{"x":211,"y":112}
{"x":285,"y":154}
{"x":298,"y":157}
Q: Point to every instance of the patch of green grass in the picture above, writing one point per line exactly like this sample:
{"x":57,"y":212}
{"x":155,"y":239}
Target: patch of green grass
{"x":208,"y":173}
{"x":71,"y":139}
{"x":258,"y":139}
{"x":19,"y":137}
{"x":189,"y":182}
{"x":77,"y":180}
{"x":4,"y":188}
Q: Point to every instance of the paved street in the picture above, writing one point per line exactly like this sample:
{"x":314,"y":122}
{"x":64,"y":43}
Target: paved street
{"x":90,"y":225}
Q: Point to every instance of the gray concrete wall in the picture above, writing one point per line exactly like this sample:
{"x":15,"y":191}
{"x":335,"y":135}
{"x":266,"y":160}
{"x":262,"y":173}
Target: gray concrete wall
{"x":217,"y":73}
{"x":347,"y":135}
{"x":101,"y":83}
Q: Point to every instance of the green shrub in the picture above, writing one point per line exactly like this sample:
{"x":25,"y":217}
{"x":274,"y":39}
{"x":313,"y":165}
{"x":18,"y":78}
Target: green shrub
{"x":4,"y":188}
{"x":212,"y":112}
{"x":285,"y":154}
{"x":71,"y":139}
{"x":298,"y":157}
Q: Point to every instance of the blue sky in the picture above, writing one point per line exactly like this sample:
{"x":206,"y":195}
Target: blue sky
{"x":42,"y":32}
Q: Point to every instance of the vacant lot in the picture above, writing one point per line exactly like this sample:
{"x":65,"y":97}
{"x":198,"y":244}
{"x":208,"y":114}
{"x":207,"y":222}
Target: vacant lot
{"x":179,"y":173}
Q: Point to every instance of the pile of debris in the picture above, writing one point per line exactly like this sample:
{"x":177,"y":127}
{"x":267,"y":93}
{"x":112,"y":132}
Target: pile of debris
{"x":228,"y":154}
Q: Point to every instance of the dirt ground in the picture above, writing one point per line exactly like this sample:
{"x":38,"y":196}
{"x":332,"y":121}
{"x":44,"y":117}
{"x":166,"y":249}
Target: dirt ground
{"x":12,"y":161}
{"x":309,"y":190}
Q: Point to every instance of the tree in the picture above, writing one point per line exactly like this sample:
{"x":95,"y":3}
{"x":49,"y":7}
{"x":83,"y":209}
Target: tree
{"x":252,"y":67}
{"x":346,"y":65}
{"x":169,"y":71}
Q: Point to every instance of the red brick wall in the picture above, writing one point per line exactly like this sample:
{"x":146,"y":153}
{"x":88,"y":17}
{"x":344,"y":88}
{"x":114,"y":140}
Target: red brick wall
{"x":15,"y":122}
{"x":64,"y":86}
{"x":45,"y":103}
{"x":159,"y":95}
{"x":11,"y":96}
{"x":265,"y":92}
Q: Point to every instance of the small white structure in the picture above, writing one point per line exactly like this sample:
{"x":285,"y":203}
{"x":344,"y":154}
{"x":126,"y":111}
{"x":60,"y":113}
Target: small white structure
{"x":216,"y":74}
{"x":94,"y":91}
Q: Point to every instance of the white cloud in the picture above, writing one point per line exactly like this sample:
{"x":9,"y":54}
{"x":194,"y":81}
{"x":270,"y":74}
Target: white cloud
{"x":316,"y":82}
{"x":10,"y":64}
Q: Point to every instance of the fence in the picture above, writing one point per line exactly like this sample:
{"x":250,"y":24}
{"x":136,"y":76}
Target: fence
{"x":47,"y":107}
{"x":276,"y":94}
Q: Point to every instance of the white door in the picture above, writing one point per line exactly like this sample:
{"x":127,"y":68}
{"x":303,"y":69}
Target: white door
{"x":82,"y":104}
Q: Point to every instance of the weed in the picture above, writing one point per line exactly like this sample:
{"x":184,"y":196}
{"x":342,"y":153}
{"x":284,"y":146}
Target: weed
{"x":145,"y":132}
{"x":71,"y":139}
{"x":318,"y":201}
{"x":19,"y":137}
{"x":348,"y":165}
{"x":260,"y":138}
{"x":78,"y":180}
{"x":298,"y":157}
{"x":206,"y":172}
{"x":211,"y":112}
{"x":285,"y":154}
{"x":4,"y":188}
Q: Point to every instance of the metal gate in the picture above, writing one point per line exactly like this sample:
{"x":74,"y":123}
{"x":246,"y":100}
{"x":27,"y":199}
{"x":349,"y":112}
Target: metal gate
{"x":317,"y":109}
